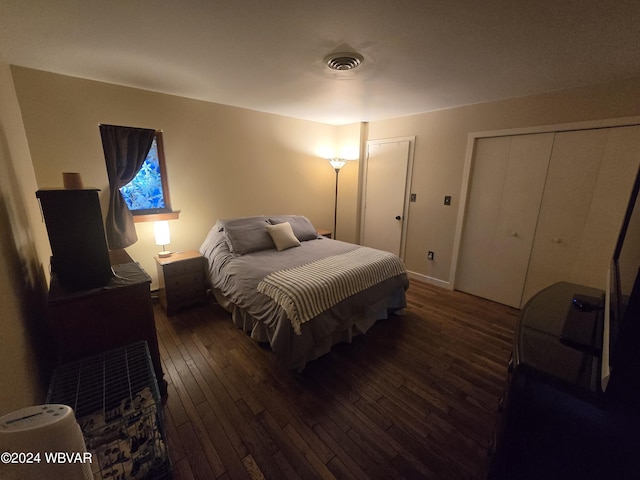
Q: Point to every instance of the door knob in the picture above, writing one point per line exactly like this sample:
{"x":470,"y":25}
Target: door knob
{"x":398,"y":217}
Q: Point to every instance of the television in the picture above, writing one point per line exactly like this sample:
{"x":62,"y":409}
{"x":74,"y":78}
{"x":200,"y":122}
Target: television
{"x":621,"y":334}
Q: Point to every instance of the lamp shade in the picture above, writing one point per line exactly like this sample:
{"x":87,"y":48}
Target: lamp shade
{"x":162,"y":233}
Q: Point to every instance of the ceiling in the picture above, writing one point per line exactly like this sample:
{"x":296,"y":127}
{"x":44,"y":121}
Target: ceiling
{"x":267,"y":55}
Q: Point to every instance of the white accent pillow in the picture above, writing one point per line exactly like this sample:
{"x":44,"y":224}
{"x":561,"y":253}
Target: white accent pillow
{"x":283,"y":236}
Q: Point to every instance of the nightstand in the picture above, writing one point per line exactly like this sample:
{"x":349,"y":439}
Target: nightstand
{"x":324,"y":233}
{"x":182,"y":280}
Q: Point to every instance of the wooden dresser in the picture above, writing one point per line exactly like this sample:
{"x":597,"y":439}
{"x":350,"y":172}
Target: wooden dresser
{"x":87,"y":322}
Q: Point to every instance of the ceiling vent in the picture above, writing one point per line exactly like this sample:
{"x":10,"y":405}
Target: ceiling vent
{"x":343,"y":61}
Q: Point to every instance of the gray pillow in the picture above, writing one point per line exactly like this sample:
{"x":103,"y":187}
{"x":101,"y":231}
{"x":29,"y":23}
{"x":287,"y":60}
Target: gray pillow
{"x":243,"y":239}
{"x":239,"y":221}
{"x":301,"y":226}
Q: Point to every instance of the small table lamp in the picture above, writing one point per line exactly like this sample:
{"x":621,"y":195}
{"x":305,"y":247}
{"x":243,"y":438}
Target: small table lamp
{"x":163,"y":236}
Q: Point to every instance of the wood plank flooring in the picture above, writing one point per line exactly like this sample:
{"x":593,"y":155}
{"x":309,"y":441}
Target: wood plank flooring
{"x":414,"y":398}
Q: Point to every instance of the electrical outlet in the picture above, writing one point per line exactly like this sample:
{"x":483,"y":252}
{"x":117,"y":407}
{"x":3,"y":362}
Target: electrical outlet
{"x":413,"y":197}
{"x":447,"y":200}
{"x":430,"y":256}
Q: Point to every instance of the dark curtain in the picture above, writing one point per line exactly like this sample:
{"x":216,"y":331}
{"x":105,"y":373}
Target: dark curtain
{"x":125,"y":149}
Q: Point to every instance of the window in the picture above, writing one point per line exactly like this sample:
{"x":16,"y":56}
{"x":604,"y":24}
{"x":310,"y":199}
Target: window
{"x":147,"y":195}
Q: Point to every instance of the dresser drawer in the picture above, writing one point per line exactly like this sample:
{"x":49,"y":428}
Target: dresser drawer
{"x":189,"y":279}
{"x":188,"y":284}
{"x":183,"y":295}
{"x":184,"y":267}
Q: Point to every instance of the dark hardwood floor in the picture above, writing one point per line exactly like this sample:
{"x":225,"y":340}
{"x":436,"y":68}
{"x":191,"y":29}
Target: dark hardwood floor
{"x":414,"y":398}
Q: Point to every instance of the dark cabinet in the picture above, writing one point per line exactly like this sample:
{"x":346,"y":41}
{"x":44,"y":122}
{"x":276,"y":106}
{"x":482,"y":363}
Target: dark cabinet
{"x":554,"y":421}
{"x":73,"y":218}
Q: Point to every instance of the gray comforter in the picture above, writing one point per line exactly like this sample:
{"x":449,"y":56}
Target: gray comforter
{"x":235,"y":280}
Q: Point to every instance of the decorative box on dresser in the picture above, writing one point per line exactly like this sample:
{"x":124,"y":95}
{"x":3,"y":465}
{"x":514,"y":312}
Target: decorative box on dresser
{"x":182,"y":280}
{"x":87,"y":322}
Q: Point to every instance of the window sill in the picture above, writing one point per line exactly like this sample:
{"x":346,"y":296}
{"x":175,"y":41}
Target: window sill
{"x":155,"y":217}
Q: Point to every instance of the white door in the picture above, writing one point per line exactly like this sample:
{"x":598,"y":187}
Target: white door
{"x":571,"y":179}
{"x":591,"y":174}
{"x":507,"y":185}
{"x":385,"y":191}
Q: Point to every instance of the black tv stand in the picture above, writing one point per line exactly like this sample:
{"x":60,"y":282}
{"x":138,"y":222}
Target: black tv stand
{"x":555,"y":422}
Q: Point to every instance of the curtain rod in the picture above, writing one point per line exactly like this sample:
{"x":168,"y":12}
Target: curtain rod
{"x":124,"y":126}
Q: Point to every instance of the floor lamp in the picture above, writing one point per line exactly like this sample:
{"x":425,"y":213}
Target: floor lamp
{"x":337,"y":164}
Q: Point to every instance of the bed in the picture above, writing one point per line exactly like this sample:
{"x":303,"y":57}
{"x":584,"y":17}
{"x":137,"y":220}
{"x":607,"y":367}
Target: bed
{"x":299,"y":291}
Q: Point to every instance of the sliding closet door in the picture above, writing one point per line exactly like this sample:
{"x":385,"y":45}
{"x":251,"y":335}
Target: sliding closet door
{"x":618,"y":170}
{"x":587,"y":190}
{"x":573,"y":171}
{"x":507,"y":183}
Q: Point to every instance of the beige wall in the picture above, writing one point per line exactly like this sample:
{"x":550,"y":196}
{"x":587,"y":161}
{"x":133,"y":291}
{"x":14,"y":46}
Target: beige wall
{"x":225,"y":161}
{"x":441,"y":142}
{"x":23,"y":373}
{"x":222,"y":161}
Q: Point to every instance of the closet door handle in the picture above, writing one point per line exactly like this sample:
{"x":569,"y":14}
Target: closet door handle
{"x":398,"y":217}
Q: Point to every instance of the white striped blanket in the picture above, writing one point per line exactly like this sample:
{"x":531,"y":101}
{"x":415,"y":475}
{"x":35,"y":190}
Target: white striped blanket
{"x":308,"y":290}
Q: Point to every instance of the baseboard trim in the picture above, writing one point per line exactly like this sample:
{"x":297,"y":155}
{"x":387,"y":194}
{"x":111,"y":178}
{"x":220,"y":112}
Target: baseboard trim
{"x":430,"y":280}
